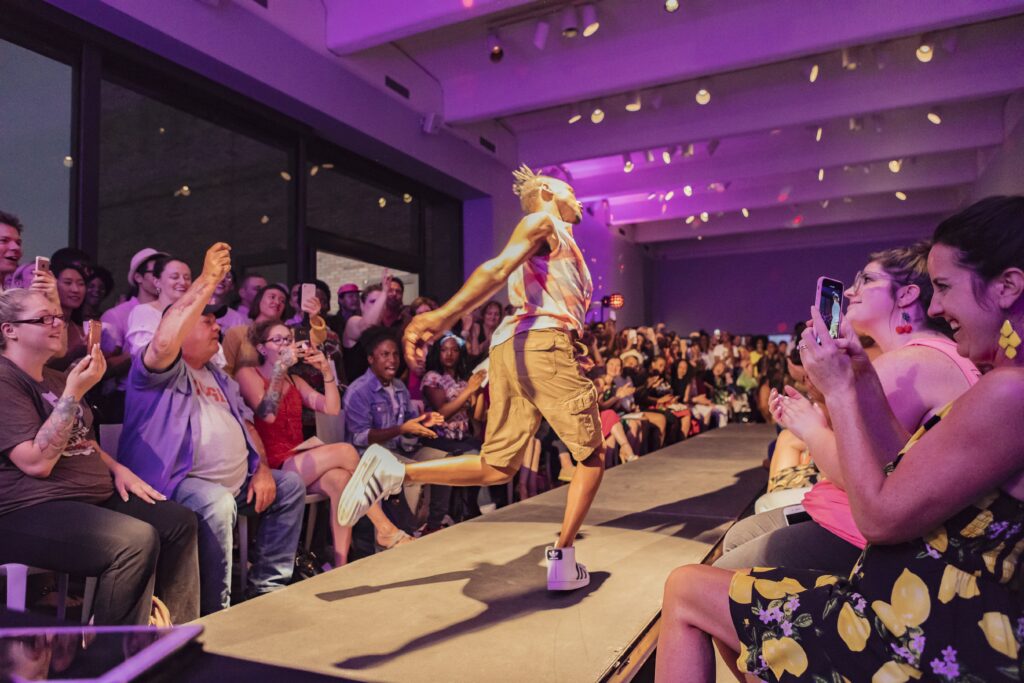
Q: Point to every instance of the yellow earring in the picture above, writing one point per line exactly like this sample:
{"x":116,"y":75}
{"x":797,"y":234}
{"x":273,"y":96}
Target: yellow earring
{"x":1009,"y":340}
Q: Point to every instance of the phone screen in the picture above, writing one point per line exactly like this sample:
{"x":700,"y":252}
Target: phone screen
{"x":308,"y":293}
{"x":830,"y":304}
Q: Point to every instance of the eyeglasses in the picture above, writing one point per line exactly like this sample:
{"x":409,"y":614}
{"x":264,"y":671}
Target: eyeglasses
{"x":49,"y":320}
{"x":862,"y":278}
{"x":279,"y":340}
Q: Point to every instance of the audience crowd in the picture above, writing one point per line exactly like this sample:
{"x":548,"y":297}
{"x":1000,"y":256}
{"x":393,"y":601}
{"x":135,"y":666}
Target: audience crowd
{"x":237,"y":396}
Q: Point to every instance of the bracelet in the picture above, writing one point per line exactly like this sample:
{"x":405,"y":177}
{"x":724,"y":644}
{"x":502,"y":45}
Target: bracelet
{"x":330,"y":381}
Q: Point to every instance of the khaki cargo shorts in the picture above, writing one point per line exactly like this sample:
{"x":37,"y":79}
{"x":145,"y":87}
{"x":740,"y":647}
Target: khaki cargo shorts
{"x":534,"y":375}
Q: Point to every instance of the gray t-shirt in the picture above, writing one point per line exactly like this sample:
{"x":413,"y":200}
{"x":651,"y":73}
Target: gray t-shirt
{"x":79,"y":474}
{"x":221,"y":454}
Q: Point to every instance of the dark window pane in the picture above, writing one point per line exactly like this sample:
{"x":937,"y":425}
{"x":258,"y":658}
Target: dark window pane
{"x":350,"y":208}
{"x":179,"y":183}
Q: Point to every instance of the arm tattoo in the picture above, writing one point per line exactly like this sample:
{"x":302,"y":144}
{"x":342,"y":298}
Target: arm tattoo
{"x":272,"y":399}
{"x":52,"y":437}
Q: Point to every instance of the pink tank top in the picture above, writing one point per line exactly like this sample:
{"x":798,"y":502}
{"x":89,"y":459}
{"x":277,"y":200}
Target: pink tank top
{"x":828,"y":505}
{"x":549,"y":291}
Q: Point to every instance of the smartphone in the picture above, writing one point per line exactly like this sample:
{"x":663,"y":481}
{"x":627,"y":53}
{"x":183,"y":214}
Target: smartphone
{"x":795,"y":514}
{"x":42,"y":264}
{"x":829,"y":300}
{"x":94,"y":331}
{"x":308,"y":294}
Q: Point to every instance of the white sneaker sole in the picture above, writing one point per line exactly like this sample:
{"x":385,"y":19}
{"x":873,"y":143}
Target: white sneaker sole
{"x":364,"y":486}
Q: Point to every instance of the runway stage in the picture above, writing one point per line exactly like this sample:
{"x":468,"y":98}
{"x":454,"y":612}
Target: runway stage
{"x":470,"y":604}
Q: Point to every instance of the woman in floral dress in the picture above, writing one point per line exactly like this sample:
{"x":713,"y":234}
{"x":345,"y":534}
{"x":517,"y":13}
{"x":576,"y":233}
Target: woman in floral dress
{"x":935,"y":595}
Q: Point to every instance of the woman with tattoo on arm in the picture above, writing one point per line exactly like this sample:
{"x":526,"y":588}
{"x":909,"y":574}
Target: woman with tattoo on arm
{"x":276,"y":398}
{"x":66,"y":505}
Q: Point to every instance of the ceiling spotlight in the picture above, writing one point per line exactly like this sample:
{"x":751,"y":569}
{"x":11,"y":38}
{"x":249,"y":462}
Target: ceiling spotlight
{"x":817,"y":135}
{"x":812,"y":75}
{"x":666,"y":156}
{"x":649,"y":156}
{"x":895,"y":165}
{"x":264,"y":219}
{"x":494,"y":48}
{"x":745,"y":212}
{"x":856,"y":123}
{"x":382,"y":202}
{"x":688,"y":190}
{"x":704,"y":216}
{"x":574,"y":114}
{"x":824,"y":204}
{"x":68,"y":161}
{"x":925,"y":49}
{"x":671,"y":5}
{"x":688,"y":150}
{"x":590,"y":22}
{"x":902,"y":196}
{"x":935,"y":117}
{"x":540,"y":34}
{"x":690,"y":219}
{"x":703,"y":95}
{"x":634,"y":103}
{"x":597,"y":116}
{"x":849,"y":57}
{"x":627,"y":164}
{"x":407,"y":198}
{"x":314,"y":170}
{"x":570,"y":23}
{"x":821,"y":174}
{"x":651,"y":196}
{"x":285,"y":175}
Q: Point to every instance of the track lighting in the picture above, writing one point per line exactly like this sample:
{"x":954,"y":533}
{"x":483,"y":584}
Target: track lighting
{"x":627,"y":164}
{"x":597,"y":116}
{"x":574,"y":115}
{"x":902,"y":196}
{"x":590,"y":23}
{"x":671,"y":5}
{"x":895,"y":165}
{"x":849,"y":58}
{"x":497,"y":52}
{"x":925,"y":49}
{"x":570,"y":22}
{"x":634,"y":103}
{"x":688,"y":190}
{"x":934,"y":116}
{"x":649,"y":156}
{"x":813,"y":72}
{"x":703,"y":95}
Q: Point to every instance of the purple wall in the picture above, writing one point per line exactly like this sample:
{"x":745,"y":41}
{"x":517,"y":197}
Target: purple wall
{"x":616,"y":265}
{"x":760,"y":293}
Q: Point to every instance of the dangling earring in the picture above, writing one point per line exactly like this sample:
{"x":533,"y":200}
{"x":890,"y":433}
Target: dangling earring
{"x":906,"y":327}
{"x":1009,"y":340}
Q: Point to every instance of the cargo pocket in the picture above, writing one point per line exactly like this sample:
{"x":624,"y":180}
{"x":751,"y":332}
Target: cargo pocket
{"x":535,"y":357}
{"x":584,"y":429}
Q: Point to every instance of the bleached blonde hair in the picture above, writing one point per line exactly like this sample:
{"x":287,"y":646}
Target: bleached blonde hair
{"x":526,"y":185}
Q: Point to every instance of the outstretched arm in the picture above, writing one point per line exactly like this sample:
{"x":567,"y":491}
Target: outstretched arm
{"x":533,"y":233}
{"x":178,"y":322}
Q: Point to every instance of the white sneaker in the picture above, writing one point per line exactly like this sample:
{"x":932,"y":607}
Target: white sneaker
{"x":564,"y":572}
{"x":379,"y":474}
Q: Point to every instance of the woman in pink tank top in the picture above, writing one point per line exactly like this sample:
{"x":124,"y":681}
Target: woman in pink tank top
{"x":920,"y":372}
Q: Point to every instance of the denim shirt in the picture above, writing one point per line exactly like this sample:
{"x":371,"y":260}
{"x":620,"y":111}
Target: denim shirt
{"x":157,"y":442}
{"x":368,"y":406}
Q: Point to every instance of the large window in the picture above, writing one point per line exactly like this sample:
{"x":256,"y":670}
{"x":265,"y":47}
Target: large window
{"x":337,"y":270}
{"x":179,"y":183}
{"x":35,"y":146}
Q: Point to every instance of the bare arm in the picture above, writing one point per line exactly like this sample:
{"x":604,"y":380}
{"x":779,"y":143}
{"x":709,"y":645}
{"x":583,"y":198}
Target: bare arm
{"x":183,"y":315}
{"x":436,"y":397}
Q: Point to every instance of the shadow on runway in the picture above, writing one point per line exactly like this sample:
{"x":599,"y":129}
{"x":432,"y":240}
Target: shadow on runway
{"x":507,"y":591}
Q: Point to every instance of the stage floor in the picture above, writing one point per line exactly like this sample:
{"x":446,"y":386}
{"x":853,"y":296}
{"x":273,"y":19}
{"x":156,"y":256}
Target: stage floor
{"x":469,"y":603}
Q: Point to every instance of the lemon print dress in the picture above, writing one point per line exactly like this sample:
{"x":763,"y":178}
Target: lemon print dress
{"x":942,"y":608}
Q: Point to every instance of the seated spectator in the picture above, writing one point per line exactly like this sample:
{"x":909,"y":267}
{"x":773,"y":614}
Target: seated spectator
{"x":172,"y":277}
{"x":65,"y":504}
{"x":10,"y":246}
{"x":378,"y":410}
{"x":277,"y":398}
{"x":478,"y":339}
{"x":190,"y":435}
{"x":377,"y":310}
{"x":655,"y":397}
{"x":222,"y":298}
{"x":612,"y":430}
{"x":144,"y":290}
{"x":920,"y":372}
{"x":934,"y":596}
{"x":250,"y":286}
{"x":98,"y":287}
{"x":270,"y":304}
{"x":71,"y":290}
{"x":449,"y":389}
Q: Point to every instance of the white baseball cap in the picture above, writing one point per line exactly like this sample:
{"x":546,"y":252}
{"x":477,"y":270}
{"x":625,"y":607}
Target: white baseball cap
{"x":140,"y":256}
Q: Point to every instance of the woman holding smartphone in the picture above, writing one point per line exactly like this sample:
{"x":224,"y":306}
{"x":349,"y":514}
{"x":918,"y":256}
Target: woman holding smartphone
{"x":920,"y":372}
{"x":934,"y":594}
{"x":277,"y":398}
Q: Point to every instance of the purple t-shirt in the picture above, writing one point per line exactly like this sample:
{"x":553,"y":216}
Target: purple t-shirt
{"x":79,"y":473}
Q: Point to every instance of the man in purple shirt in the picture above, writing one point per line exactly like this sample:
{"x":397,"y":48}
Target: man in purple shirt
{"x":189,"y":434}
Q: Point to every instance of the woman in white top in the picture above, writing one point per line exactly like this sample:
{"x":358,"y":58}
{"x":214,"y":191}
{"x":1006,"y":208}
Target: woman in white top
{"x":173,"y":278}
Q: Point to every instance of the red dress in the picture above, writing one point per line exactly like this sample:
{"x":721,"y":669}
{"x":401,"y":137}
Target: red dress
{"x":284,"y":433}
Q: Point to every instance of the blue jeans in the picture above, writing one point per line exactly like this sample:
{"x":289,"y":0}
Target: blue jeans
{"x":273,"y":558}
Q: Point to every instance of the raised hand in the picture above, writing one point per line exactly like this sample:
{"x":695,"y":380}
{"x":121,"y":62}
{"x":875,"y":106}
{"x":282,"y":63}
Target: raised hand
{"x":217,"y":263}
{"x":794,"y":412}
{"x":86,"y":373}
{"x":419,"y":334}
{"x":417,"y":426}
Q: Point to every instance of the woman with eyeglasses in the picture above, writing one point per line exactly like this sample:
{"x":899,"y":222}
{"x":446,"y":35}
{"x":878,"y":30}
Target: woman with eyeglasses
{"x":920,"y":371}
{"x":65,"y":504}
{"x":173,"y":278}
{"x":277,"y":397}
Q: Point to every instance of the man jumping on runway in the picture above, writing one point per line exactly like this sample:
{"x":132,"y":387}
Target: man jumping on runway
{"x":533,"y":371}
